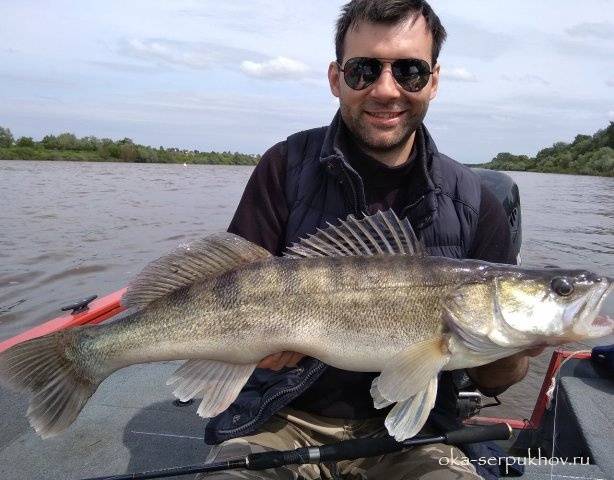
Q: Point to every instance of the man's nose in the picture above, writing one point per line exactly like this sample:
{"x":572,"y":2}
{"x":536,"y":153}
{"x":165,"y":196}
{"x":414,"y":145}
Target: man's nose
{"x":385,"y":88}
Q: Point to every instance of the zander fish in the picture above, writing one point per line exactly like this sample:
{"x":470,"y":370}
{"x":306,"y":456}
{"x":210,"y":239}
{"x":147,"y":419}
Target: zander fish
{"x":361,"y":296}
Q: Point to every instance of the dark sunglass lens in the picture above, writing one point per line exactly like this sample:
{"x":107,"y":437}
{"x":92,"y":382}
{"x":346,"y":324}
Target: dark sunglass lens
{"x":411,"y":74}
{"x":359,"y":73}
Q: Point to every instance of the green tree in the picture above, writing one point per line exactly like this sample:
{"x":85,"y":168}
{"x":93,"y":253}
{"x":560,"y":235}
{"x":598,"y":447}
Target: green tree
{"x":89,"y":144}
{"x":581,"y":138}
{"x":50,"y":142}
{"x":67,"y":141}
{"x":610,"y":135}
{"x":128,"y":152}
{"x":6,"y":137}
{"x":25,"y":142}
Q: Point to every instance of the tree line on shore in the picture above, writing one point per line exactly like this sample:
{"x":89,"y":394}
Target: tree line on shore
{"x":67,"y":146}
{"x":586,"y":155}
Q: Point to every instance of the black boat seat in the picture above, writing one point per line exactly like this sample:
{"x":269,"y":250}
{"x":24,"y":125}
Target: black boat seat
{"x":585,"y":420}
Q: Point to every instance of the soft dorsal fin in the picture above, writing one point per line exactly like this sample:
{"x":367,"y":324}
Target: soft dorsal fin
{"x":381,"y":233}
{"x":206,"y":258}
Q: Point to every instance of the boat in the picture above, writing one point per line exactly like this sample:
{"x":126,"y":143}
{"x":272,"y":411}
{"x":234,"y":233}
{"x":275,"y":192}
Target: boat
{"x":133,"y":423}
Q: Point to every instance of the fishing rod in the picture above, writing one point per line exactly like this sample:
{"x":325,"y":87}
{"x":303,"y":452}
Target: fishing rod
{"x":345,"y":450}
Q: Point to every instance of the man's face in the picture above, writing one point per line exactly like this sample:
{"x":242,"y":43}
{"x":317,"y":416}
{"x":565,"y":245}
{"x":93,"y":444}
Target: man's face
{"x":383,"y":117}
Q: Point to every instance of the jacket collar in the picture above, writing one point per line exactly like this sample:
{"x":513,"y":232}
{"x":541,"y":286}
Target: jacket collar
{"x":423,"y":211}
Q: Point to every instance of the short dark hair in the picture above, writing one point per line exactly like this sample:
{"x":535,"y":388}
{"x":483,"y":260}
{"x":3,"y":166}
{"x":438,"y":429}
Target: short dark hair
{"x":388,"y":12}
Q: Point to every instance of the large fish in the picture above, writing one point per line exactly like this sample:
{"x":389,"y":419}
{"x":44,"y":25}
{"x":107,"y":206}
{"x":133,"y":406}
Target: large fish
{"x":360,"y":296}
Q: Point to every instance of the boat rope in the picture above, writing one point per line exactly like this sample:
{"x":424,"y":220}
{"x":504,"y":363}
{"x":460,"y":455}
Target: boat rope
{"x":554,"y":391}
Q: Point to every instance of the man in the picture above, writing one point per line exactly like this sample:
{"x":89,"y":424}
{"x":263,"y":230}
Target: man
{"x":375,"y":155}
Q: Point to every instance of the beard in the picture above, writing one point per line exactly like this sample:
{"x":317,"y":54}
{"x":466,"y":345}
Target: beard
{"x":371,"y":138}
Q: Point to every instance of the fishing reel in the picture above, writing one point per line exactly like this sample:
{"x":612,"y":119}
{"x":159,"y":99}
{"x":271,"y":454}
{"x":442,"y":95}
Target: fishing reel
{"x":469,"y":402}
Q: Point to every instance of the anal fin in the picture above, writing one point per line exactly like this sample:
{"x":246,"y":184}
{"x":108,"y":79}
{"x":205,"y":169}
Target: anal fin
{"x":219,"y":382}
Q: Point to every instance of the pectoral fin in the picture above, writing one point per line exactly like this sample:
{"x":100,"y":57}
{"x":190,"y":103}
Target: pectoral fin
{"x":407,"y":417}
{"x":378,"y":400}
{"x":411,"y":370}
{"x":219,"y":382}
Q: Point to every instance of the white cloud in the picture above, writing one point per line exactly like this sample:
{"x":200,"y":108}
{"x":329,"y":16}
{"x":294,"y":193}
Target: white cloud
{"x":280,"y":68}
{"x":526,"y":79}
{"x":601,"y":30}
{"x":459,"y":74}
{"x":197,"y":55}
{"x":610,"y":82}
{"x":611,"y":114}
{"x":168,"y":52}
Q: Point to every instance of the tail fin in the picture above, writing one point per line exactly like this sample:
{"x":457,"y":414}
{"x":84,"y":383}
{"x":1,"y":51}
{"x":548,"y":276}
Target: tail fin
{"x":59,"y":389}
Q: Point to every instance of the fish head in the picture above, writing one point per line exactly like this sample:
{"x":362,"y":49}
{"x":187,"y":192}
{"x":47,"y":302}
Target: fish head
{"x":557,"y":306}
{"x":519,"y":308}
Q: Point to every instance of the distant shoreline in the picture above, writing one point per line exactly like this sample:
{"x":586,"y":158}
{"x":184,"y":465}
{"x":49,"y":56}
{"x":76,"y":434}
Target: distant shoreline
{"x":504,"y":169}
{"x":591,"y":155}
{"x":23,"y":155}
{"x":162,"y":157}
{"x":54,"y":157}
{"x":68,"y":147}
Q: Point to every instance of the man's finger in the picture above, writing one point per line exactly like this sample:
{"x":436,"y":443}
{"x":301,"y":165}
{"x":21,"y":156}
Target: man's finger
{"x":277,"y":361}
{"x":270,"y":360}
{"x":282,"y":361}
{"x":294,"y":359}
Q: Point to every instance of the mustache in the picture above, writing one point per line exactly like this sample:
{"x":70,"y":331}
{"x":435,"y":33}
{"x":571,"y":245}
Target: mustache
{"x":391,"y":107}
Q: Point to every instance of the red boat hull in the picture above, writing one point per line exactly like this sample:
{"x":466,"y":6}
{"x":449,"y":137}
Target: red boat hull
{"x":99,"y":310}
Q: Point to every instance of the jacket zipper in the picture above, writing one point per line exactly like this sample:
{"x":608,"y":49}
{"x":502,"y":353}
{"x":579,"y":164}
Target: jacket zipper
{"x":355,"y":199}
{"x":279,"y":394}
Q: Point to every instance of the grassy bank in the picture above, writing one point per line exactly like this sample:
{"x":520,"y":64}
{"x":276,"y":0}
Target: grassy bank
{"x":156,"y":156}
{"x":68,"y":147}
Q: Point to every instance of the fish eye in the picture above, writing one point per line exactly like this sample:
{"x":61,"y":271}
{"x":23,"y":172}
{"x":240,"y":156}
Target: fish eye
{"x":562,"y":286}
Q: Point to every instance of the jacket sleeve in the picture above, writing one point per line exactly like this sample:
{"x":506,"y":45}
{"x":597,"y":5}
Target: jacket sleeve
{"x":262,"y":213}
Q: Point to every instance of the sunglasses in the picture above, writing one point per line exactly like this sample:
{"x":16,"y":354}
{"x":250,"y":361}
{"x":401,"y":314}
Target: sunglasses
{"x":412,"y":74}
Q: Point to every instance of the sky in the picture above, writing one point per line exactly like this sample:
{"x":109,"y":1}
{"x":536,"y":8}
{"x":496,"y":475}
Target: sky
{"x":243,"y":75}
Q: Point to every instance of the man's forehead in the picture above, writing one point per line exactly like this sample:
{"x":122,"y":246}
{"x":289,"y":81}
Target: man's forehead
{"x":410,"y":37}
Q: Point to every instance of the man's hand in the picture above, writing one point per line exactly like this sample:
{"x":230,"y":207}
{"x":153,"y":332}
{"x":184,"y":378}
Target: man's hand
{"x":496,"y":377}
{"x":277,"y":361}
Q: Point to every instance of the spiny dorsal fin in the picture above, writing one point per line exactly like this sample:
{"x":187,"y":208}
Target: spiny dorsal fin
{"x":206,"y":258}
{"x":382,"y":233}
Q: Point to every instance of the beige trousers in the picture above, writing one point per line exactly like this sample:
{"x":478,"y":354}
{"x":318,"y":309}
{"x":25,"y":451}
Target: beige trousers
{"x":290,"y":429}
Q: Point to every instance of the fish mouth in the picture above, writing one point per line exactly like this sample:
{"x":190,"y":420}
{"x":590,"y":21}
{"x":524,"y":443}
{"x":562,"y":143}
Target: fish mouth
{"x":592,"y":324}
{"x":603,"y":321}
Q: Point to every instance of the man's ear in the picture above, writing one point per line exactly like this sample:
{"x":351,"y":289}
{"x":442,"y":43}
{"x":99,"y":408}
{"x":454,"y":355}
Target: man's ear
{"x":334,"y":77}
{"x":435,"y":81}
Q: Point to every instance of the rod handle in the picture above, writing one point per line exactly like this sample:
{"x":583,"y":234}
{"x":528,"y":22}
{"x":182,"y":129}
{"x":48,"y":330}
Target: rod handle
{"x":358,"y":448}
{"x":274,"y":459}
{"x":499,"y":431}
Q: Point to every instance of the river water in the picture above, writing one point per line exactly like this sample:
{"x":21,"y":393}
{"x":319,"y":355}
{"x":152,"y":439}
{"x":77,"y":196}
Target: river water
{"x":72,"y":229}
